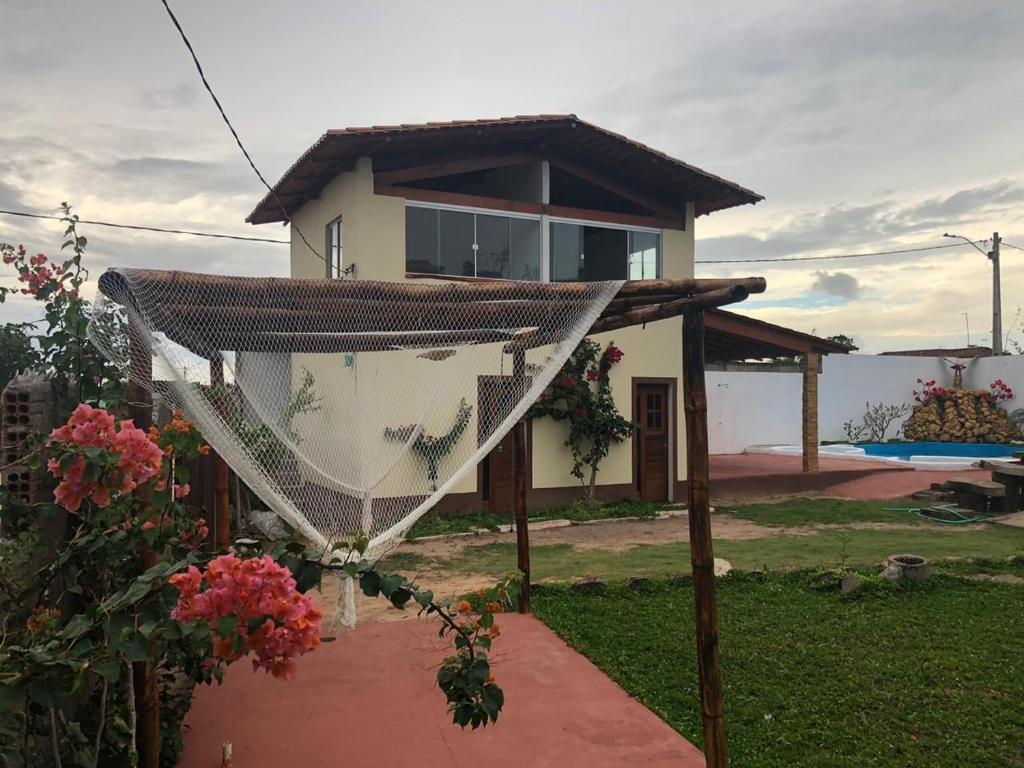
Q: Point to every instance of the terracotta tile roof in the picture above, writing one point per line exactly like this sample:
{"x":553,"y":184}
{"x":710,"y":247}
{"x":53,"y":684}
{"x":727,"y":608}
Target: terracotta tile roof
{"x":963,"y":352}
{"x":732,"y":336}
{"x":338,"y":149}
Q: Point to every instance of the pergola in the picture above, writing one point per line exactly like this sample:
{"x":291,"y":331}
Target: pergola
{"x":732,"y":337}
{"x":255,"y":314}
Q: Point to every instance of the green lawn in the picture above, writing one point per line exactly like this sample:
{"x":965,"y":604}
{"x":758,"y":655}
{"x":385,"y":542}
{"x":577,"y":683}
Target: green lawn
{"x":914,"y":675}
{"x":436,"y":523}
{"x":798,"y":512}
{"x":823,"y":548}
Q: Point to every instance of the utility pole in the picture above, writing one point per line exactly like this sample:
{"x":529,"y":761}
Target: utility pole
{"x":997,"y":298}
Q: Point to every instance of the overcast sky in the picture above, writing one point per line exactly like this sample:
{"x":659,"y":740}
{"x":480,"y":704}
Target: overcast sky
{"x":867,"y":126}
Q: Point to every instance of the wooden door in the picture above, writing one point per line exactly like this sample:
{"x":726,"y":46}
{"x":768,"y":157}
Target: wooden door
{"x":653,"y":414}
{"x":499,"y":484}
{"x":497,"y":481}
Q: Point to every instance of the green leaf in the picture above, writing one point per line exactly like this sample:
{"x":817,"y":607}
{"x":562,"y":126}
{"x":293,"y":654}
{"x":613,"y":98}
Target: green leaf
{"x":389,"y":584}
{"x":135,"y":649}
{"x":479,"y":671}
{"x":46,"y":694}
{"x":80,"y":624}
{"x":11,"y":697}
{"x":493,"y":700}
{"x":400,"y":597}
{"x":109,"y":670}
{"x":369,"y":582}
{"x":463,"y":714}
{"x":227,"y":626}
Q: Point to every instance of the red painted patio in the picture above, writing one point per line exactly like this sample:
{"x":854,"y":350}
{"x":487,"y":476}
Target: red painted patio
{"x":737,"y":477}
{"x":369,"y":699}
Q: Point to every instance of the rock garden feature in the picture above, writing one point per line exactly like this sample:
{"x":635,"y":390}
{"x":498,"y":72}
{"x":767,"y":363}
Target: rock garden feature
{"x":961,"y":416}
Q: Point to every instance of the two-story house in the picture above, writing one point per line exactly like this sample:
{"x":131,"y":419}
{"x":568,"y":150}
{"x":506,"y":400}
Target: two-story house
{"x":548,"y":197}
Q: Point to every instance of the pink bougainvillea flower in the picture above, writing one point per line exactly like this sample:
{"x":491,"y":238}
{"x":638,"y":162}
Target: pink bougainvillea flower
{"x":251,"y":589}
{"x":138,"y":458}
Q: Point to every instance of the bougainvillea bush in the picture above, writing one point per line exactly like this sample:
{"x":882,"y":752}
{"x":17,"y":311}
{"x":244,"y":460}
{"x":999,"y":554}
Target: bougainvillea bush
{"x":108,"y":578}
{"x":581,"y":396}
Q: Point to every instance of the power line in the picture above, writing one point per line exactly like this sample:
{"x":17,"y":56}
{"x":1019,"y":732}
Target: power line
{"x":1011,"y":245}
{"x":143,"y":228}
{"x":837,"y":256}
{"x":238,"y":141}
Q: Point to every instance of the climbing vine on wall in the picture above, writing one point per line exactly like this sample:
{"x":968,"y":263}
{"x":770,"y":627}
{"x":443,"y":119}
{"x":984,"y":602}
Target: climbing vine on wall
{"x":429,"y":448}
{"x":581,"y":395}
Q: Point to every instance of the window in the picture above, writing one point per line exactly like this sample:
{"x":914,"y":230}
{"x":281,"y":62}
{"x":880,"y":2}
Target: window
{"x":588,"y":252}
{"x":444,"y":241}
{"x":644,"y":254}
{"x":334,"y":260}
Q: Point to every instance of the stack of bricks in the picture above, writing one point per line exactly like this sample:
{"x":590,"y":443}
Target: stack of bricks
{"x":28,"y":408}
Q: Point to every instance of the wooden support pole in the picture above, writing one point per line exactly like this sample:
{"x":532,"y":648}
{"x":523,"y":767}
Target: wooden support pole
{"x":221,"y":500}
{"x":146,"y":687}
{"x":810,"y":412}
{"x":702,"y":557}
{"x":519,"y":487}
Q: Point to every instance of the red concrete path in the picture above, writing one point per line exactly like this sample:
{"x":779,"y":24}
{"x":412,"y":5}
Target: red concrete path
{"x":369,"y":699}
{"x":759,"y":475}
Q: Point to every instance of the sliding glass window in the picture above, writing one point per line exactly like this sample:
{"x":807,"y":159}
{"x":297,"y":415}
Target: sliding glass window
{"x":585,"y":252}
{"x":455,"y":242}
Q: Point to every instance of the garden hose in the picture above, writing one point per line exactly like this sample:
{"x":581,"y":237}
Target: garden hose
{"x":952,"y":509}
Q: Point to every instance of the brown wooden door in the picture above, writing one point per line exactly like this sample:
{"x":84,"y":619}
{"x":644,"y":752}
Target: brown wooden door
{"x":653,"y":414}
{"x":498,"y":476}
{"x":497,"y":469}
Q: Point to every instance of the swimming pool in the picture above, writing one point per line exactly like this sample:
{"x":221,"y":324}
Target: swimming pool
{"x":915,"y":455}
{"x":905,"y":451}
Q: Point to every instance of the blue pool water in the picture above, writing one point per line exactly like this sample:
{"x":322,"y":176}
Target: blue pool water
{"x":928,"y":448}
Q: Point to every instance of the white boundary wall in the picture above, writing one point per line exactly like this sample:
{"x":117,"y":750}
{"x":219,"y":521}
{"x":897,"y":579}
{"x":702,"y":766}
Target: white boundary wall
{"x":748,"y":408}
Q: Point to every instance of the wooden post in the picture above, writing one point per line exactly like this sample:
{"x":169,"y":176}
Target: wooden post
{"x":222,"y":504}
{"x":146,"y":688}
{"x":810,"y":411}
{"x":519,"y":486}
{"x":702,"y":557}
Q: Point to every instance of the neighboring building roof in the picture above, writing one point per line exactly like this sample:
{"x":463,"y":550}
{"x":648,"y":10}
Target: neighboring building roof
{"x":580,"y":141}
{"x":733,"y":337}
{"x":967,"y":352}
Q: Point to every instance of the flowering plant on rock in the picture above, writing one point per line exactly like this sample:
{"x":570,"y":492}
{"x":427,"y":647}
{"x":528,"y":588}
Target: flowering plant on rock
{"x":999,"y":391}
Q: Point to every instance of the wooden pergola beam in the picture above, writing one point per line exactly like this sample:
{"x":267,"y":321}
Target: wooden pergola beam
{"x":146,"y":691}
{"x":809,"y":412}
{"x":702,"y":556}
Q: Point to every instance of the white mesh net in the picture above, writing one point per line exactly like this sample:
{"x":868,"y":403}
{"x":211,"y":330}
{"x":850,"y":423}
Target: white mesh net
{"x":346,"y":406}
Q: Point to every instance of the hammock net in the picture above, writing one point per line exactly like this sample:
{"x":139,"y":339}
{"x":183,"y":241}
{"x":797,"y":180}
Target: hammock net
{"x":346,"y":406}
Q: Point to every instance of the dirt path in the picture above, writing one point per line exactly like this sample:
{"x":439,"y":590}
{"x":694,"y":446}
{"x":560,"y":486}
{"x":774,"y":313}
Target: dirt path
{"x":609,"y":535}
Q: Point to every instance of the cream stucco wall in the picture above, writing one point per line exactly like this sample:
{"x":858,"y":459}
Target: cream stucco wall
{"x":373,"y":228}
{"x":374,"y":241}
{"x":651,"y":351}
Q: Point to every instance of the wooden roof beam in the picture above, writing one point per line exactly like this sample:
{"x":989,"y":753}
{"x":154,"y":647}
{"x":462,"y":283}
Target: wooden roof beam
{"x":453,"y":167}
{"x":626,"y":191}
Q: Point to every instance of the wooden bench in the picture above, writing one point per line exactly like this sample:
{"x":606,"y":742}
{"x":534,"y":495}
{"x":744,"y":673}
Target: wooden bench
{"x":981,"y":487}
{"x":1011,"y":476}
{"x":983,"y":497}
